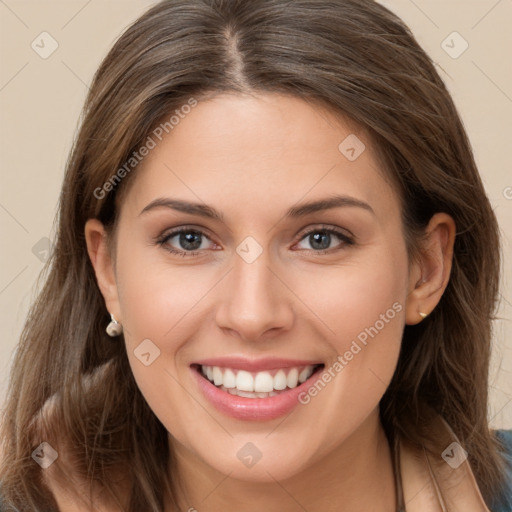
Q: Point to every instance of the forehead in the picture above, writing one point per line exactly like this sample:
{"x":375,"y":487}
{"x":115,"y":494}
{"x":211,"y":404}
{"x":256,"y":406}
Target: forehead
{"x":258,"y":155}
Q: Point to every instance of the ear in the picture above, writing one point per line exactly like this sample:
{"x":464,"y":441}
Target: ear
{"x":97,"y":246}
{"x":430,"y":272}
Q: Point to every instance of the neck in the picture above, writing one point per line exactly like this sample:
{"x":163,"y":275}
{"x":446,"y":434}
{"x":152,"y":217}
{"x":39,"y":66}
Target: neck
{"x":355,"y":475}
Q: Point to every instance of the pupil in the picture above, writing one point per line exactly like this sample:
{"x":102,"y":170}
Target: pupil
{"x":187,"y":241}
{"x":317,"y":238}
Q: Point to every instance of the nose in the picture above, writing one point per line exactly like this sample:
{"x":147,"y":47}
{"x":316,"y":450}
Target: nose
{"x":255,"y":302}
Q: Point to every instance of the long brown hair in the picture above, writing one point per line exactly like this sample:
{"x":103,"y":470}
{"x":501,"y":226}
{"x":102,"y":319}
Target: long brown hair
{"x":353,"y":56}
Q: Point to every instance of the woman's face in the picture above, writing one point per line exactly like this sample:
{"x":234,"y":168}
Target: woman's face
{"x":264,"y":290}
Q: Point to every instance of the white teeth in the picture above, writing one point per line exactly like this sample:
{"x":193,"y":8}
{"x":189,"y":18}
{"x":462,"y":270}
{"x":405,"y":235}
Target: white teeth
{"x":305,"y":374}
{"x":217,"y":376}
{"x":257,"y":384}
{"x":244,"y":381}
{"x":229,"y":379}
{"x":246,"y":395}
{"x":280,"y":380}
{"x":293,"y":378}
{"x":263,"y":382}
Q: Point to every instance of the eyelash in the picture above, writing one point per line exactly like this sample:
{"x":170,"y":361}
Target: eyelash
{"x":346,"y":240}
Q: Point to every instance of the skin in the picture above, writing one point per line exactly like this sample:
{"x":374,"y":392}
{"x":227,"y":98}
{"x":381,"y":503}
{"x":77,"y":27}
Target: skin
{"x":252,"y":158}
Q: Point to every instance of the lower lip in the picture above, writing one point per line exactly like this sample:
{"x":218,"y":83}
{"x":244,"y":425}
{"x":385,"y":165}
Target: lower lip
{"x":253,"y":409}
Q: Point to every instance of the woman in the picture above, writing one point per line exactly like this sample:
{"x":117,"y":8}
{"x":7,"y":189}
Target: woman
{"x":273,"y":282}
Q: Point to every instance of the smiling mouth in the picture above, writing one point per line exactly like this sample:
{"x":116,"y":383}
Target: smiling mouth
{"x":262,"y":384}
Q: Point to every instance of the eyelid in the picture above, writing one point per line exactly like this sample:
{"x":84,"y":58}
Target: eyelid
{"x":184,"y":228}
{"x":326,"y":227}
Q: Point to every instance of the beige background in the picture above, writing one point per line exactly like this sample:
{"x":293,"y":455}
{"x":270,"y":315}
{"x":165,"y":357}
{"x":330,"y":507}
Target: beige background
{"x":40,"y":101}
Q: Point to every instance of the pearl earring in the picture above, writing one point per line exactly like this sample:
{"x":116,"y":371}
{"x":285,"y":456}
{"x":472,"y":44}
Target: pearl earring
{"x":114,"y":328}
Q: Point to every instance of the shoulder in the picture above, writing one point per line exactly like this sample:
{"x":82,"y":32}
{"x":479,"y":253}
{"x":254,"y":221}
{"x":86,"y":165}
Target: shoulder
{"x":505,"y":436}
{"x":503,"y":501}
{"x":505,"y":439}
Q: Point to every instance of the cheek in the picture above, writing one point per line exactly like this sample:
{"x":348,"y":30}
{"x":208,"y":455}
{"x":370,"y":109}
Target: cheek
{"x":367,"y":292}
{"x":157,"y":297}
{"x":362,"y":306}
{"x":158,"y":307}
{"x":153,"y":303}
{"x":157,"y":302}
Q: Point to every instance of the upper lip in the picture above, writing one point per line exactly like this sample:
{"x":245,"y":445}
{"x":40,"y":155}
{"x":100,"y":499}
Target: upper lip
{"x":255,"y":365}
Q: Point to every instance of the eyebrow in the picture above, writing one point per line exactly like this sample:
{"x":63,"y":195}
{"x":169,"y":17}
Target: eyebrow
{"x":302,"y":210}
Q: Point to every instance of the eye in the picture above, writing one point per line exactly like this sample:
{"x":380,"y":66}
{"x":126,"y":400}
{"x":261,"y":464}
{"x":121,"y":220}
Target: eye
{"x":188,"y":240}
{"x":320,"y":239}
